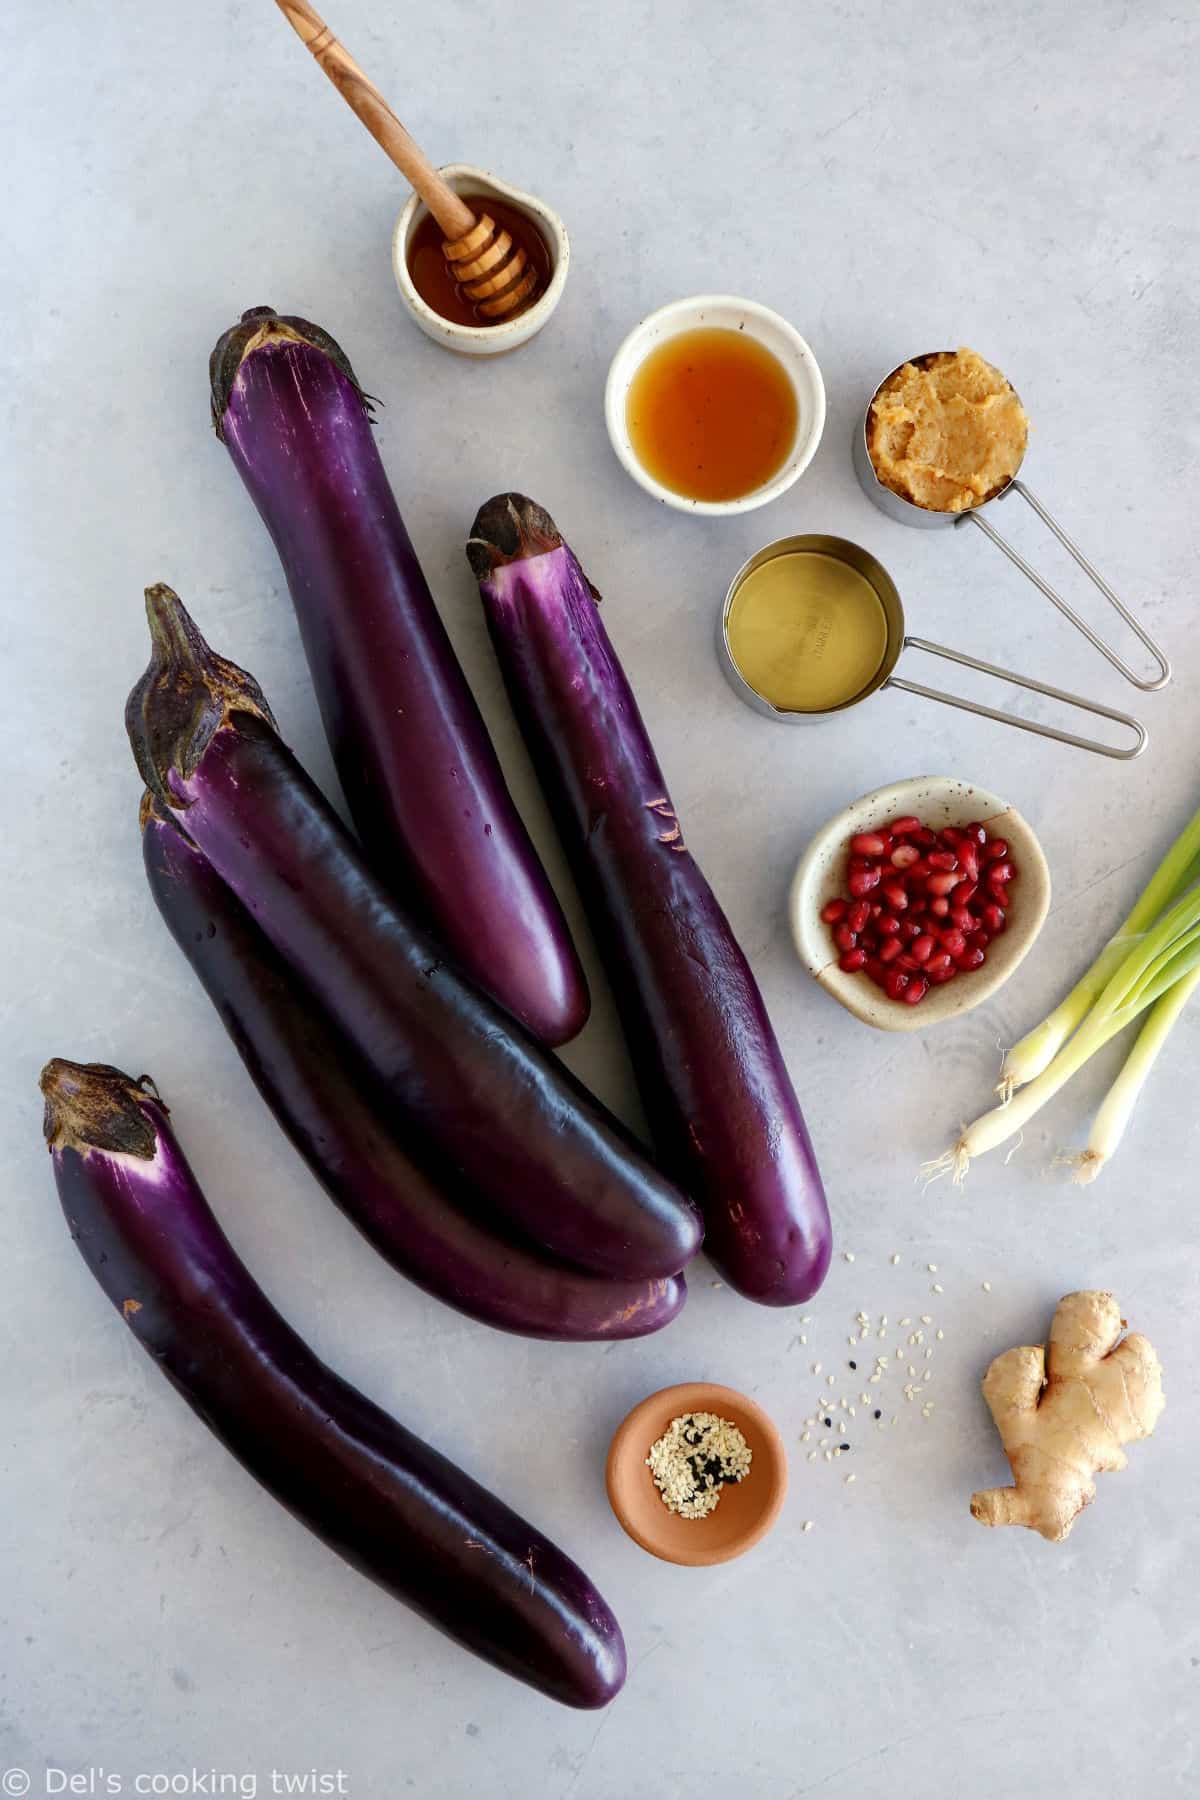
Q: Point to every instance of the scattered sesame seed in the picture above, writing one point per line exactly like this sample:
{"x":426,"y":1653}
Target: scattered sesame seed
{"x":832,"y":1380}
{"x":932,"y":1267}
{"x":937,"y":1287}
{"x":895,"y":1258}
{"x":878,"y":1413}
{"x":848,"y":1255}
{"x":883,"y":1318}
{"x":850,"y":1410}
{"x":841,"y":1427}
{"x":987,"y":1287}
{"x":829,"y":1456}
{"x":851,"y":1478}
{"x":804,"y":1436}
{"x":882,"y":1332}
{"x":807,"y":1525}
{"x":928,"y":1352}
{"x":854,"y":1366}
{"x":863,"y":1399}
{"x":941,"y":1334}
{"x":904,"y":1322}
{"x":899,"y":1355}
{"x":816,"y":1368}
{"x":895,"y":1420}
{"x":911,"y":1370}
{"x":852,"y":1341}
{"x":876,"y":1376}
{"x":828,"y":1422}
{"x":813,"y":1455}
{"x":927,"y":1318}
{"x":803,"y":1339}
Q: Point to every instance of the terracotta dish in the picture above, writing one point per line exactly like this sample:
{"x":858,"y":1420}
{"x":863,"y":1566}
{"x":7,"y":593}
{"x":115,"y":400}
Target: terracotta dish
{"x":748,"y":1508}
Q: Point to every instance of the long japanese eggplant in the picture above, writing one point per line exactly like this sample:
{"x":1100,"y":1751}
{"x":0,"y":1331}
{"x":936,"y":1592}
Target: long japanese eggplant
{"x":328,"y":1105}
{"x":716,"y":1091}
{"x":419,"y":772}
{"x":479,"y":1096}
{"x":386,"y":1501}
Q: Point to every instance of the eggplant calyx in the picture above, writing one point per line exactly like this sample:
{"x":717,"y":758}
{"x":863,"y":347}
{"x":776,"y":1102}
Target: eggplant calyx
{"x":509,"y":528}
{"x":185,"y":696}
{"x":92,"y":1106}
{"x":262,"y":327}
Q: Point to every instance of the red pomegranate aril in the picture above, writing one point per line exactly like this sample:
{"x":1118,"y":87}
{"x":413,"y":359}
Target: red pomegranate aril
{"x":941,"y":883}
{"x":964,"y":893}
{"x":867,"y":843}
{"x":916,"y":991}
{"x":979,"y":938}
{"x":890,"y":949}
{"x":993,"y":918}
{"x":999,"y":873}
{"x":875,"y":969}
{"x":833,"y":910}
{"x":863,"y":881}
{"x":997,"y":850}
{"x":942,"y":859}
{"x":975,"y":832}
{"x":904,"y":826}
{"x":968,"y":861}
{"x":939,"y":906}
{"x":887,"y":925}
{"x":962,"y":918}
{"x":852,"y":960}
{"x":950,"y":834}
{"x":970,"y":958}
{"x":923,"y":947}
{"x":910,"y":929}
{"x":843,"y":937}
{"x":858,"y":914}
{"x":895,"y":984}
{"x":938,"y":977}
{"x":926,"y":838}
{"x":906,"y":963}
{"x":895,"y":895}
{"x":939,"y":961}
{"x":952,"y":941}
{"x":904,"y":855}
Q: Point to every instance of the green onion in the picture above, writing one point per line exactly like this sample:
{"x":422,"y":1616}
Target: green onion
{"x":1037,"y":1049}
{"x":1108,"y":1127}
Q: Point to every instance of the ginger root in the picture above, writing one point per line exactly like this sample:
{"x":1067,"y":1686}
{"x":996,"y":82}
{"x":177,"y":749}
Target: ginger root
{"x":1063,"y":1413}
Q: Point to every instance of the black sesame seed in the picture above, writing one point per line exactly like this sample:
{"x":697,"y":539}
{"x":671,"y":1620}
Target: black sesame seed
{"x":878,"y":1414}
{"x":829,"y":1421}
{"x":854,"y":1365}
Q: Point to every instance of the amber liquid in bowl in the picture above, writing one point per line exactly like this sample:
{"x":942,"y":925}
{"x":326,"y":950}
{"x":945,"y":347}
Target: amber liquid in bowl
{"x":431,"y":272}
{"x":711,"y":414}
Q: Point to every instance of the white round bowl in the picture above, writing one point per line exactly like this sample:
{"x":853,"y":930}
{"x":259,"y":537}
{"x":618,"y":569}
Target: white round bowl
{"x":937,"y":800}
{"x":768,"y":329}
{"x":483,"y":340}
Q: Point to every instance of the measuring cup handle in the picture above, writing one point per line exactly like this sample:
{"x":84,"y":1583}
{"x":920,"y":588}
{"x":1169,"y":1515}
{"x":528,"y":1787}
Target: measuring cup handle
{"x":1036,"y":687}
{"x":1094,"y":576}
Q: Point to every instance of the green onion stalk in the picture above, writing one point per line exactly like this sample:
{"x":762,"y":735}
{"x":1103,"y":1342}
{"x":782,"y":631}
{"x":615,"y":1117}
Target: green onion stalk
{"x":1038,"y":1048}
{"x":1108,"y":1127}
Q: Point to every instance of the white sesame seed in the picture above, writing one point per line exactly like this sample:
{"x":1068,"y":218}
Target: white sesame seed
{"x":863,"y":1398}
{"x":816,"y":1368}
{"x":832,"y":1380}
{"x":895,"y":1258}
{"x":937,"y":1287}
{"x":822,"y":1442}
{"x":905,"y":1322}
{"x":851,"y":1478}
{"x":883,"y":1318}
{"x":876,"y":1377}
{"x":941,"y":1334}
{"x":851,"y":1411}
{"x":849,"y":1255}
{"x":899,"y":1355}
{"x":803,"y":1339}
{"x":928,"y":1375}
{"x":927,"y":1318}
{"x":804,"y":1436}
{"x":928,"y":1352}
{"x":852,"y":1341}
{"x":812,"y":1455}
{"x":911,"y":1370}
{"x":807,"y":1525}
{"x":842,"y":1426}
{"x":987,"y":1287}
{"x":881,"y":1332}
{"x":932,"y":1267}
{"x":895,"y":1420}
{"x":829,"y":1456}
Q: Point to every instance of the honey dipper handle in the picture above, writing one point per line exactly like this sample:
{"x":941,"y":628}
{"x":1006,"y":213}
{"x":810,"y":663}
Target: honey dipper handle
{"x":364,"y":98}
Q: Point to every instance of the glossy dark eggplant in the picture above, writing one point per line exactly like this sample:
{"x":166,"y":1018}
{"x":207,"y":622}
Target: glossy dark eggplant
{"x":716,"y":1091}
{"x":476,"y":1096}
{"x":386,"y":1501}
{"x":326,"y":1102}
{"x":421,"y":778}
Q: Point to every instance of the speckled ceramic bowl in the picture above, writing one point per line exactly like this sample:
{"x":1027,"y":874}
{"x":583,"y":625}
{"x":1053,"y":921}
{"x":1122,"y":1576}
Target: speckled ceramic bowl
{"x":483,"y":340}
{"x":938,"y":800}
{"x":747,"y":1509}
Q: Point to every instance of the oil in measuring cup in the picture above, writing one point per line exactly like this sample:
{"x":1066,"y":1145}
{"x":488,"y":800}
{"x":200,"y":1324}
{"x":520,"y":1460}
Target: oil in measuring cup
{"x":805,"y":629}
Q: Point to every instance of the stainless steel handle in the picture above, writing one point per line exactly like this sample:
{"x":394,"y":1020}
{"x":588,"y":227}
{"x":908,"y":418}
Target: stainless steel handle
{"x":1036,"y":687}
{"x":1068,"y":612}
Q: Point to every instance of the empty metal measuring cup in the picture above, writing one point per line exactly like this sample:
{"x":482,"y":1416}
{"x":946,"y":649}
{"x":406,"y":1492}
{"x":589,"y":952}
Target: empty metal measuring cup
{"x":906,"y":512}
{"x":820,"y":615}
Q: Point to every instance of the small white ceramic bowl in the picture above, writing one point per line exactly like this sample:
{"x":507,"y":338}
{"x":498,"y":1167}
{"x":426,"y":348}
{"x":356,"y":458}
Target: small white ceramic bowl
{"x":937,"y":800}
{"x":727,"y":312}
{"x":483,"y":340}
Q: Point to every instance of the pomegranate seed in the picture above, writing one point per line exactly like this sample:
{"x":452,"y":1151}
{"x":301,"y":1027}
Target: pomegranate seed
{"x":895,"y":895}
{"x":852,"y":960}
{"x":997,"y":850}
{"x":916,"y":991}
{"x":964,"y":893}
{"x":975,"y":832}
{"x":904,"y":826}
{"x":939,"y":962}
{"x":832,"y":911}
{"x":940,"y":883}
{"x":926,"y":838}
{"x":916,"y":872}
{"x":950,"y":834}
{"x":906,"y":963}
{"x":862,"y":881}
{"x":904,"y":855}
{"x":875,"y":969}
{"x":962,"y":918}
{"x":942,"y":859}
{"x":890,"y":949}
{"x":895,"y":984}
{"x":888,"y":925}
{"x":843,"y":937}
{"x":971,"y":958}
{"x":994,"y":920}
{"x":968,"y":861}
{"x":953,"y":941}
{"x":937,"y":977}
{"x":867,"y":843}
{"x":939,"y":906}
{"x":909,"y":930}
{"x":858,"y":914}
{"x":979,"y":938}
{"x":923,"y":947}
{"x":999,"y":873}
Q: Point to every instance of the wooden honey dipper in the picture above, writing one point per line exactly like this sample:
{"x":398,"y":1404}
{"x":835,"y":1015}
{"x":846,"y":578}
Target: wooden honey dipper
{"x":492,"y":271}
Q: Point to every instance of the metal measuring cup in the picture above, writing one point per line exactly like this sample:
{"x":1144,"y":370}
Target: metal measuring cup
{"x":897,"y":641}
{"x":906,"y":512}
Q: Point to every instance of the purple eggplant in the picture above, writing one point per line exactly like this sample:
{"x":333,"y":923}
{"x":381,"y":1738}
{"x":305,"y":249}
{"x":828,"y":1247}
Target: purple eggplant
{"x":328,"y":1105}
{"x":419,"y":772}
{"x":386,"y":1501}
{"x":481,"y":1102}
{"x":719,"y":1099}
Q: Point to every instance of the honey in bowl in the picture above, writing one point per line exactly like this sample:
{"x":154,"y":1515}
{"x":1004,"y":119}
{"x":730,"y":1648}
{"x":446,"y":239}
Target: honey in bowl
{"x":431,"y":272}
{"x":711,"y":414}
{"x":807,"y":631}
